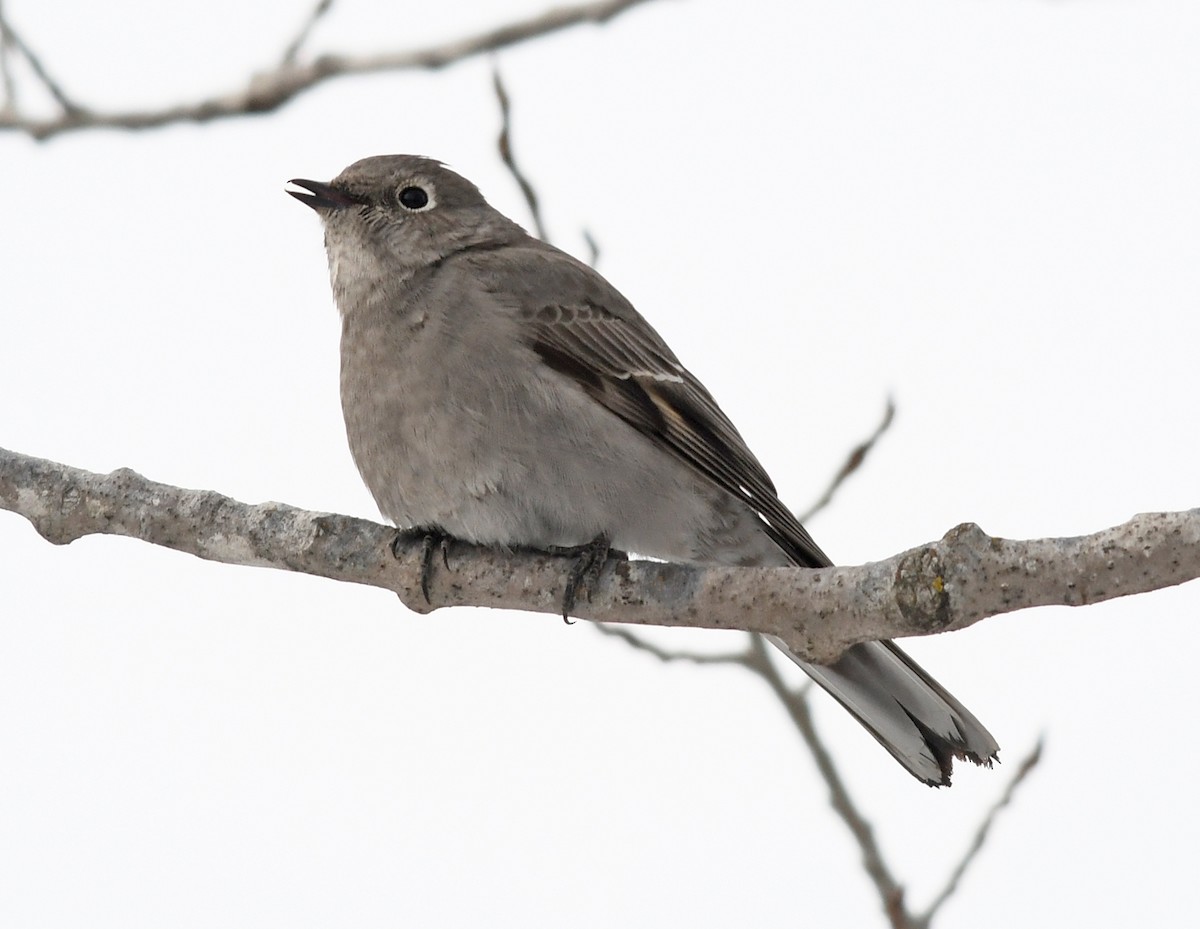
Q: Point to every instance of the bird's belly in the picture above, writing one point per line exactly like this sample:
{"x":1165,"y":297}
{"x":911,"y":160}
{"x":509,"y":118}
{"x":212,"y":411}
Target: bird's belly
{"x":533,"y":463}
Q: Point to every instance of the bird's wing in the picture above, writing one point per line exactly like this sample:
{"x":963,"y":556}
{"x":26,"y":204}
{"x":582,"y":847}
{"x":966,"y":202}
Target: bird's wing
{"x":591,"y":334}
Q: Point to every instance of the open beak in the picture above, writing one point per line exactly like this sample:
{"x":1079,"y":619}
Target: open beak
{"x":321,"y":196}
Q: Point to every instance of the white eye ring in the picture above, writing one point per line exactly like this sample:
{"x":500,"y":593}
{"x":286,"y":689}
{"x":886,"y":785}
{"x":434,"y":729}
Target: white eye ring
{"x":415,"y":198}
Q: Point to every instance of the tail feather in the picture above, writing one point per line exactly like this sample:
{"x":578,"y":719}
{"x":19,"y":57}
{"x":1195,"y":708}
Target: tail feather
{"x":912,"y":715}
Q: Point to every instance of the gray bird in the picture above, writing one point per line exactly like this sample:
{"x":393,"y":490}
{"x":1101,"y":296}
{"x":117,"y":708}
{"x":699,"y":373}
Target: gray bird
{"x":499,"y":391}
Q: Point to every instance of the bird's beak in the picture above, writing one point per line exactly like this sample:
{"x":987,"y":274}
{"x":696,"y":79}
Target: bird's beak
{"x":321,"y":196}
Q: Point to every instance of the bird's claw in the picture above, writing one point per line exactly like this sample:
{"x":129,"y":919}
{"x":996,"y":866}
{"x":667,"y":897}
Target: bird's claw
{"x":589,"y":562}
{"x":431,"y":537}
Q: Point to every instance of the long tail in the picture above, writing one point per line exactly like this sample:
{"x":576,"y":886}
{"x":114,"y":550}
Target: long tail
{"x":911,"y":714}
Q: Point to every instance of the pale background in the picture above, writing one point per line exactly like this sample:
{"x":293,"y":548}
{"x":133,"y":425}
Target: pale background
{"x":989,"y":210}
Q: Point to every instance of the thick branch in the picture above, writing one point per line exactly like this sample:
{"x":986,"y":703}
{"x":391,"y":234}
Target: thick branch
{"x":270,"y":90}
{"x":945,"y":585}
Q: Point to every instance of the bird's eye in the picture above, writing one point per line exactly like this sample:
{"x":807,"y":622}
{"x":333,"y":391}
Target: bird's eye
{"x":414,"y":198}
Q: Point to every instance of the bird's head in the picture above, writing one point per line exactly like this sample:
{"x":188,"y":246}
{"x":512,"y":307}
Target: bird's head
{"x":395,"y":215}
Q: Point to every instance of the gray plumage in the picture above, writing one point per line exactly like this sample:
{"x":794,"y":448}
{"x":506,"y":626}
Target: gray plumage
{"x":499,"y":390}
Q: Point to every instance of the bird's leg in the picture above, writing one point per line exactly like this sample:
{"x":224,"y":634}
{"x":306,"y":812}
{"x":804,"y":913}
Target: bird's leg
{"x":589,"y":561}
{"x":430,"y":537}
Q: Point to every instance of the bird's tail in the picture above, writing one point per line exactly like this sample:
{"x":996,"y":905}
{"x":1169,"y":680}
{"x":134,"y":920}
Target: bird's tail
{"x":911,"y":714}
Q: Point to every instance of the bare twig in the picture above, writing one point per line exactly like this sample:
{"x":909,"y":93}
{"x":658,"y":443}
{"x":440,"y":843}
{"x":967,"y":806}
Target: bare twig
{"x":13,"y":40}
{"x":1028,"y":763}
{"x":754,"y":658}
{"x":528,"y":191}
{"x":853,"y":462}
{"x":273,"y":89}
{"x":6,"y":77}
{"x":795,"y":701}
{"x":293,"y":48}
{"x":593,"y":247}
{"x":891,"y":892}
{"x":504,"y":143}
{"x":744,"y":657}
{"x":945,"y":585}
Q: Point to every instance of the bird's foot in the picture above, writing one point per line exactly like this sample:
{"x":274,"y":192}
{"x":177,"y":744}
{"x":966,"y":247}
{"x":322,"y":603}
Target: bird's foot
{"x":431,"y":537}
{"x":589,"y":561}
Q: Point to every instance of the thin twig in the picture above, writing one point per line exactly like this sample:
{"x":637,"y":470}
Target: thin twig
{"x":6,"y":78}
{"x":891,"y":893}
{"x":853,"y":462}
{"x":272,"y":89}
{"x":504,"y":143}
{"x":593,"y":247}
{"x":1027,"y":764}
{"x":293,"y":48}
{"x":13,"y":39}
{"x":795,"y":701}
{"x":743,"y":657}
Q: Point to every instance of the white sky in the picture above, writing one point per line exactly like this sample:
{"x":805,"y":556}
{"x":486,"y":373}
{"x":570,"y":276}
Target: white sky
{"x":990,"y":210}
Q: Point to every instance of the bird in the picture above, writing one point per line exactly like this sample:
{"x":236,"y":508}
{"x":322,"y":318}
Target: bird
{"x":499,"y":391}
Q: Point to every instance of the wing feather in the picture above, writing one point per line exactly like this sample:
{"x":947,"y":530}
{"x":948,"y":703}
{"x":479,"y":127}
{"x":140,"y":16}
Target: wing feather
{"x":593,"y":336}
